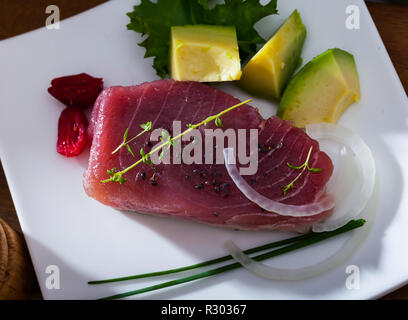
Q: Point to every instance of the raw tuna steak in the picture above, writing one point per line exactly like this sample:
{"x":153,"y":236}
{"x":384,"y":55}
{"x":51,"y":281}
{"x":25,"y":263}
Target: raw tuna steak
{"x":199,"y":192}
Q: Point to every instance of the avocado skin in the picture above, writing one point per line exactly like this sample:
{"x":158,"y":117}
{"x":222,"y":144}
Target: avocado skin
{"x":343,"y":65}
{"x":300,"y":77}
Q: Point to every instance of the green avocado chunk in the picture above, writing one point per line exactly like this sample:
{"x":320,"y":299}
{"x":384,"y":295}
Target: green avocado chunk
{"x":204,"y":53}
{"x":268,"y":72}
{"x":322,"y":90}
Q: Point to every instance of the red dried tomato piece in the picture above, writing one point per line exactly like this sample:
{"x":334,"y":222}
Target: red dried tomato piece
{"x":72,"y":132}
{"x":80,"y":90}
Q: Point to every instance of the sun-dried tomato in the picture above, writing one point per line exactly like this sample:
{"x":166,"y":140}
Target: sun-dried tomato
{"x":72,"y":132}
{"x":80,"y":90}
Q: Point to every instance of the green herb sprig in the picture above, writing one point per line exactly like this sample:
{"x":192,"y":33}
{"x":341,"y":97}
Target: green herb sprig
{"x":303,"y":167}
{"x":145,"y":157}
{"x":218,"y":123}
{"x":145,"y":126}
{"x":165,"y":139}
{"x":117,"y":176}
{"x":286,"y":246}
{"x":114,"y":177}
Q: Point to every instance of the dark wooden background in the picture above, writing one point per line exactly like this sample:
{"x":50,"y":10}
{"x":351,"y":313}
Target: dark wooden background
{"x":19,"y":16}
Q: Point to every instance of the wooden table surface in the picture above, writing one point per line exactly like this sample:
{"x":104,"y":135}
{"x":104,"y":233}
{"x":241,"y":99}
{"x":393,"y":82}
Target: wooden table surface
{"x":19,"y":16}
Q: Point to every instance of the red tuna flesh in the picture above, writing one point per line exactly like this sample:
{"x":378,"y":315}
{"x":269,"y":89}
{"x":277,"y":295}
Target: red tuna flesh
{"x":175,"y":193}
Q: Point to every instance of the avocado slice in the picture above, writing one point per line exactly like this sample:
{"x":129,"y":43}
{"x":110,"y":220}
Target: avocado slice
{"x":204,"y":53}
{"x":322,"y":90}
{"x":268,"y":72}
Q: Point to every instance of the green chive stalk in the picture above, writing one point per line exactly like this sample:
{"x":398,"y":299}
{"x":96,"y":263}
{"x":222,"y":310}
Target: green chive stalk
{"x":306,"y":241}
{"x":209,"y":262}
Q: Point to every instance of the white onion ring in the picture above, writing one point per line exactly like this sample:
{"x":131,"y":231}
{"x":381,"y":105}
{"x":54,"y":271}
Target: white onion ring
{"x":325,"y":203}
{"x":349,"y":203}
{"x":341,"y":215}
{"x":352,"y":192}
{"x":268,"y":272}
{"x":333,"y":261}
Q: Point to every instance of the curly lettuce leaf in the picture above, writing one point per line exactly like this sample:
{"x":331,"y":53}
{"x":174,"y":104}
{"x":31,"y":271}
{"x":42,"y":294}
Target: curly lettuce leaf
{"x":155,"y":20}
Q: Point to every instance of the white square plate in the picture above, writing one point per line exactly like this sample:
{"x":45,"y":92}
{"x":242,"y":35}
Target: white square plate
{"x":87,"y":241}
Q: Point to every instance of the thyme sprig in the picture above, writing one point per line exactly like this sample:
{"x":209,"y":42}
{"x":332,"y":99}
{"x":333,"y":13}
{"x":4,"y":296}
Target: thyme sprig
{"x":302,"y":167}
{"x":145,"y":157}
{"x":114,"y":177}
{"x":218,"y":122}
{"x":145,"y":126}
{"x":117,"y":176}
{"x":165,"y":139}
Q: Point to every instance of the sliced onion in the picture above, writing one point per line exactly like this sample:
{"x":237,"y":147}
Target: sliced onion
{"x":353,"y":183}
{"x":340,"y":256}
{"x":283,"y":274}
{"x":325,"y":203}
{"x":261,"y":269}
{"x":353,"y":179}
